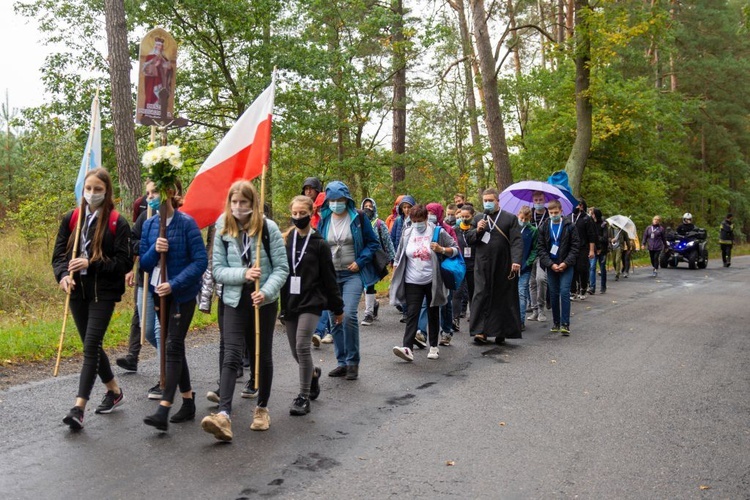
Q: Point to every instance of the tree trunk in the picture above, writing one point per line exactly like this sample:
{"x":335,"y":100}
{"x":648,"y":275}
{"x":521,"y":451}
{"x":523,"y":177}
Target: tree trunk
{"x":492,"y":114}
{"x":579,"y":154}
{"x":126,"y":152}
{"x":561,"y":21}
{"x":398,"y":145}
{"x":522,"y":107}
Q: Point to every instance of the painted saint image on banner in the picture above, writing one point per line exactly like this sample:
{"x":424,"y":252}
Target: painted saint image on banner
{"x":156,"y":82}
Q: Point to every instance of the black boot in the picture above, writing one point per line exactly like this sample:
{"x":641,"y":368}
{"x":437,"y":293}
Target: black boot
{"x":187,"y":411}
{"x":158,"y":419}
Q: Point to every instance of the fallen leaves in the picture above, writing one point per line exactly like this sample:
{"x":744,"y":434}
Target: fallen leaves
{"x":502,"y":424}
{"x":704,"y":487}
{"x":450,"y":463}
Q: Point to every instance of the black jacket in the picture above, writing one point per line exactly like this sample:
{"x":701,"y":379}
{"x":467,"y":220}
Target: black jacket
{"x":569,"y":244}
{"x":587,"y":232}
{"x":319,"y":288}
{"x":105,"y":278}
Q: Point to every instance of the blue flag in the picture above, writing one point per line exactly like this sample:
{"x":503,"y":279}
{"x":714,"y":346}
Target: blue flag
{"x":92,"y":155}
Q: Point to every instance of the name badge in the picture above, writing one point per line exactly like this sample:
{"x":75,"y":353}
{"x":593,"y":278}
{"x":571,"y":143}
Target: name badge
{"x":295,"y":285}
{"x":553,"y":251}
{"x":486,"y":237}
{"x":467,"y":252}
{"x":156,"y":277}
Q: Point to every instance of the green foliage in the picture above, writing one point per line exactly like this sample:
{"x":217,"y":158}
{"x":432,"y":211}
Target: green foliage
{"x":35,"y":219}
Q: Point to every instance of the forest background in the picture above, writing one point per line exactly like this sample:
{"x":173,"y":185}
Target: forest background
{"x":643,"y":102}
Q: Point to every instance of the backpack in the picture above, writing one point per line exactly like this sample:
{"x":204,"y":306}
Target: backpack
{"x":112,"y":224}
{"x":452,"y":269}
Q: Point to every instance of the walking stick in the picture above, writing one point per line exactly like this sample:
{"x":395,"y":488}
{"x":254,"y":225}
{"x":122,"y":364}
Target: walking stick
{"x":163,"y":299}
{"x":67,"y":297}
{"x":257,"y":281}
{"x":144,"y":299}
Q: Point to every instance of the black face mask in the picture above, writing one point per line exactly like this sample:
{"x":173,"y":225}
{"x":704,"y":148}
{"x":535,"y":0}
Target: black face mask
{"x":302,"y":222}
{"x":369,"y":213}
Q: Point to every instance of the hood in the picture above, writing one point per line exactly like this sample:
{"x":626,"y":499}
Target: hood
{"x":374,"y":206}
{"x":437,"y":209}
{"x":598,"y":215}
{"x":406,"y":199}
{"x":584,"y":206}
{"x":313,"y":182}
{"x":319,"y":200}
{"x":559,"y":179}
{"x":336,"y":190}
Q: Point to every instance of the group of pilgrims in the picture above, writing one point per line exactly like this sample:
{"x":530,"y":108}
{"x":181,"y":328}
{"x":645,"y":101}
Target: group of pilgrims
{"x":311,"y":278}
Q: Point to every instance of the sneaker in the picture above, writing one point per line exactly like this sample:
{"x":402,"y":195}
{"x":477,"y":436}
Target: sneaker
{"x":214,"y":396}
{"x":368,"y":320}
{"x":445,"y":339}
{"x":534,"y":316}
{"x":110,"y":401}
{"x":74,"y":418}
{"x":375,"y":311}
{"x":456,"y":325}
{"x":573,"y":297}
{"x":617,"y":277}
{"x":555,"y":328}
{"x":434,"y":353}
{"x":523,"y":327}
{"x":591,"y":291}
{"x":316,"y":339}
{"x":300,"y":406}
{"x":128,"y":363}
{"x":352,"y":372}
{"x":339,"y":371}
{"x":420,"y":340}
{"x":541,"y":317}
{"x":261,"y":419}
{"x":653,"y":274}
{"x":155,"y":392}
{"x":327,"y":339}
{"x":604,"y":290}
{"x":581,"y":296}
{"x":315,"y":384}
{"x":249,"y":391}
{"x":565,"y":330}
{"x":403,"y":319}
{"x":626,"y":275}
{"x":480,"y":338}
{"x":403,"y":353}
{"x":219,"y":425}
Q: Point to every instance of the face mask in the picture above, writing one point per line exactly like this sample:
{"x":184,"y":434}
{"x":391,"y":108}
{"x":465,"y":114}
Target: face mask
{"x":302,"y":222}
{"x":555,"y":218}
{"x":521,"y":223}
{"x":539,"y":206}
{"x":94,"y":200}
{"x":489,"y":205}
{"x":450,"y":220}
{"x":240,"y":214}
{"x":337,"y":207}
{"x":432,"y":218}
{"x":369,"y":213}
{"x":459,"y":205}
{"x":154,"y":203}
{"x":466,"y":221}
{"x":420,"y":226}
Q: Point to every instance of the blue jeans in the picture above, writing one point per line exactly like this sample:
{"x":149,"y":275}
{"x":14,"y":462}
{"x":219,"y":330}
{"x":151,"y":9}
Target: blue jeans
{"x":324,"y":323}
{"x":524,"y":296}
{"x":602,"y":258}
{"x":592,"y":273}
{"x":153,"y":328}
{"x":346,"y":336}
{"x":558,"y":285}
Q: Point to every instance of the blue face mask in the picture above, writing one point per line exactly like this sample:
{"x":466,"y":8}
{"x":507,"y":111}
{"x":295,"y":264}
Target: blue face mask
{"x":432,"y":218}
{"x":337,"y":207}
{"x":154,"y":203}
{"x":489,"y":205}
{"x":538,"y":206}
{"x":555,"y":218}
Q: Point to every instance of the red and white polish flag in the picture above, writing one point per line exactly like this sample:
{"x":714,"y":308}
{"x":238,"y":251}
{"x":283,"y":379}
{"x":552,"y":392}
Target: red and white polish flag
{"x":241,"y":154}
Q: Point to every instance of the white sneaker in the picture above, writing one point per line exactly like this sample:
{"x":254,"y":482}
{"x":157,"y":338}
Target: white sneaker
{"x":327,"y":339}
{"x":581,"y":296}
{"x":316,"y":340}
{"x":533,"y":316}
{"x":434,"y":353}
{"x":403,"y":353}
{"x":420,"y":340}
{"x":541,"y":316}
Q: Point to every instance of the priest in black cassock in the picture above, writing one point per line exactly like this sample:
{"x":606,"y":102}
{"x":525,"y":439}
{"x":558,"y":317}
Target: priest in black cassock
{"x":498,"y":250}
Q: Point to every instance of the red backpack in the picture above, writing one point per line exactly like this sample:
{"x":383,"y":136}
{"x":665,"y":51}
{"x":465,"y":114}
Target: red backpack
{"x":112,"y":224}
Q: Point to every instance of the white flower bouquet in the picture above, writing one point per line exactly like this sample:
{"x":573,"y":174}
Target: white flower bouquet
{"x":163,"y":165}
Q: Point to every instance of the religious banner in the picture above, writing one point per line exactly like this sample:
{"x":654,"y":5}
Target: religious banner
{"x":156,"y":78}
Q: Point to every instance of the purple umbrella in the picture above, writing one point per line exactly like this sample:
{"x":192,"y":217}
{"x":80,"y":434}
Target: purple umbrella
{"x":519,"y":194}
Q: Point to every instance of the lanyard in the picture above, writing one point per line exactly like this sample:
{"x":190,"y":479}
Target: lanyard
{"x":85,"y":242}
{"x":295,"y":261}
{"x":555,"y":237}
{"x":541,"y":220}
{"x":575,"y":219}
{"x":493,"y":224}
{"x":247,"y":244}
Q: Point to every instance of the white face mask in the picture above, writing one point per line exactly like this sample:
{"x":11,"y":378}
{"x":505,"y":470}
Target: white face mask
{"x":432,"y":218}
{"x":240,"y":214}
{"x":94,"y":200}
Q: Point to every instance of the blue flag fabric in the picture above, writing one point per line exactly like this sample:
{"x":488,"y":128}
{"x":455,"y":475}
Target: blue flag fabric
{"x":92,"y":155}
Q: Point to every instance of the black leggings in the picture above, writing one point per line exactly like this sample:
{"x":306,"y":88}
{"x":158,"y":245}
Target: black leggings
{"x":179,"y":317}
{"x":92,"y":319}
{"x":654,"y":254}
{"x":238,"y":331}
{"x":415,"y":295}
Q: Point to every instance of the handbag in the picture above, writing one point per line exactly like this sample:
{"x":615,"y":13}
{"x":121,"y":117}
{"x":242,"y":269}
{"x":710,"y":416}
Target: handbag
{"x":381,"y":260}
{"x":452,"y":269}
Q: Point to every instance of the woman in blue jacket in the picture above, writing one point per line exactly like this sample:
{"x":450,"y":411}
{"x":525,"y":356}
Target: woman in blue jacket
{"x":353,"y":244}
{"x":186,"y":261}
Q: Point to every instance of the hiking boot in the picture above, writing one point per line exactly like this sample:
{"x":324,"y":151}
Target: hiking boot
{"x":434,"y":353}
{"x":129,"y":363}
{"x":110,"y":401}
{"x":219,"y":425}
{"x":300,"y":406}
{"x":214,"y":396}
{"x":565,"y":330}
{"x":316,"y":339}
{"x":186,"y":411}
{"x":541,"y":317}
{"x":155,"y":392}
{"x":445,"y":339}
{"x":352,"y":372}
{"x":403,"y":353}
{"x":420,"y":340}
{"x":555,"y":328}
{"x":339,"y":371}
{"x":249,"y":391}
{"x":261,"y":419}
{"x":315,"y":384}
{"x":74,"y":418}
{"x":160,"y":419}
{"x":368,"y":320}
{"x":534,"y":316}
{"x":327,"y":339}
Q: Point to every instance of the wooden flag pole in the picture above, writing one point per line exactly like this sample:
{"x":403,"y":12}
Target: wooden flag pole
{"x":144,"y":299}
{"x":259,"y":238}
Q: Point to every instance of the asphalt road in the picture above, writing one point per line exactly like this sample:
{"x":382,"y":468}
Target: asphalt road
{"x":648,"y":398}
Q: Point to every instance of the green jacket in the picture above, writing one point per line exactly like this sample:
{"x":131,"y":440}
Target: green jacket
{"x":229,"y":270}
